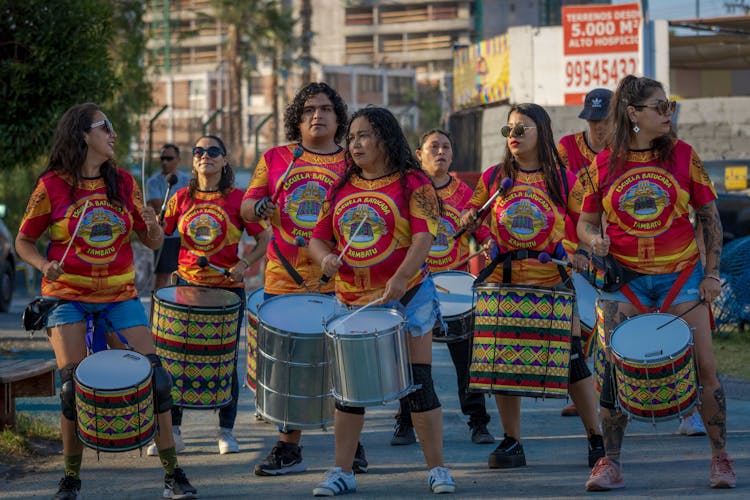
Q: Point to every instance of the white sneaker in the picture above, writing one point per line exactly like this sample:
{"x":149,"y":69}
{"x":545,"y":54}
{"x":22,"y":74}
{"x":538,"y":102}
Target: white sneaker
{"x":692,"y":425}
{"x":336,"y":482}
{"x":227,"y":443}
{"x":440,"y":481}
{"x":179,"y":444}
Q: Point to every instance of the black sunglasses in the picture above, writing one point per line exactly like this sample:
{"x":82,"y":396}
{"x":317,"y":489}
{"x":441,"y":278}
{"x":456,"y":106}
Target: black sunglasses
{"x":517,"y":130}
{"x":108,"y":128}
{"x":213,"y":151}
{"x":661,"y":107}
{"x":166,"y":158}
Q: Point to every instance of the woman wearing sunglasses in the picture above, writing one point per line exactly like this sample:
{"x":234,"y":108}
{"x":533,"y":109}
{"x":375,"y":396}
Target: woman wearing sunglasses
{"x":90,"y":208}
{"x":528,"y":219}
{"x":643,"y":186}
{"x":207,"y":216}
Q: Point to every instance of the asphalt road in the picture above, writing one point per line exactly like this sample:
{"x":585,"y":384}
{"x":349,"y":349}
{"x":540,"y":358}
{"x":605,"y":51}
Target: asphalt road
{"x":658,"y":463}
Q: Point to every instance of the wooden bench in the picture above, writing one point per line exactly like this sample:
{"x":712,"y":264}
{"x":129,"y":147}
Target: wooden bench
{"x":23,"y":378}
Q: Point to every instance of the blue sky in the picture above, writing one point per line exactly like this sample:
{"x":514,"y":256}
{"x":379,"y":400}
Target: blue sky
{"x":686,"y":9}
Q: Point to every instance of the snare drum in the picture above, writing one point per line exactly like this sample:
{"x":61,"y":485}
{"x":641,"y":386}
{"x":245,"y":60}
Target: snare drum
{"x":369,"y":353}
{"x":114,"y":400}
{"x":654,"y":369}
{"x":521,"y":340}
{"x":293,"y":382}
{"x":195,"y":334}
{"x":254,"y":300}
{"x":456,"y":305}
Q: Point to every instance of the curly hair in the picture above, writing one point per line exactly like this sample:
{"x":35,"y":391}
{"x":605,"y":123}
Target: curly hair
{"x":226,"y":182}
{"x":69,"y":152}
{"x":293,"y":113}
{"x":546,"y":151}
{"x":632,"y":91}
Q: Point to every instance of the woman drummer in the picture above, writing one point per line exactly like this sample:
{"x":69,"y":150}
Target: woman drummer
{"x":209,"y":258}
{"x":646,"y":164}
{"x":90,"y":208}
{"x":384,"y":186}
{"x":526,"y":220}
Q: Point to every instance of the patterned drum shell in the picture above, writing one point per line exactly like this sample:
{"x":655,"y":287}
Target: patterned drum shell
{"x":654,"y":369}
{"x":521,"y":340}
{"x":195,"y":334}
{"x":254,"y":300}
{"x":114,"y":400}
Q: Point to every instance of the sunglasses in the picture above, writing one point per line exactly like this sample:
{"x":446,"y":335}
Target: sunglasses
{"x":166,"y":158}
{"x":517,"y":130}
{"x":213,"y":151}
{"x":661,"y":107}
{"x":108,"y":128}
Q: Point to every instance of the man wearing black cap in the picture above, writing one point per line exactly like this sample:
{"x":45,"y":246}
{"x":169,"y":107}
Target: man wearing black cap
{"x":579,"y":149}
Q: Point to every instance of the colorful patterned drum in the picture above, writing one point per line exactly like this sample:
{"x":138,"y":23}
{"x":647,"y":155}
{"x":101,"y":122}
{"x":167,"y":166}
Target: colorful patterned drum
{"x":369,"y":354}
{"x":654,"y":369}
{"x":114,"y":400}
{"x":456,"y":305}
{"x":521,"y":340}
{"x":294,"y":389}
{"x":599,"y":348}
{"x":195,"y":333}
{"x":254,"y":301}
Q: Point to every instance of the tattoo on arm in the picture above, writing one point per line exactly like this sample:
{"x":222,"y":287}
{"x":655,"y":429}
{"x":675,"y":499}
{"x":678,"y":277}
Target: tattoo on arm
{"x":712,"y":235}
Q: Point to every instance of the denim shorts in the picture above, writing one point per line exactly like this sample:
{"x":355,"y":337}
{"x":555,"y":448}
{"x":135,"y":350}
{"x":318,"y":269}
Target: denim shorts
{"x":422,"y":311}
{"x":122,"y":315}
{"x":652,"y":289}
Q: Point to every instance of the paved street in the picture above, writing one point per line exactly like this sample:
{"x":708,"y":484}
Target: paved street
{"x":658,"y":463}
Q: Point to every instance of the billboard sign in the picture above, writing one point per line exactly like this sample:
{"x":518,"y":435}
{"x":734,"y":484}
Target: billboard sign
{"x":481,"y":73}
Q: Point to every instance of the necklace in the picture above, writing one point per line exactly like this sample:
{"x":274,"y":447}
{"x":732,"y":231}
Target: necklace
{"x":216,"y":190}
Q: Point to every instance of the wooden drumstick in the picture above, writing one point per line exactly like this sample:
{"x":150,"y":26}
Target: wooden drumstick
{"x":442,"y":289}
{"x":467,"y":259}
{"x":361,"y":308}
{"x":75,"y":232}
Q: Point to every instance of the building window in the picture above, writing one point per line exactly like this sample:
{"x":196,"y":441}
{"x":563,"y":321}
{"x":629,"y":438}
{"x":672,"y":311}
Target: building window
{"x":400,"y":90}
{"x":197,"y":95}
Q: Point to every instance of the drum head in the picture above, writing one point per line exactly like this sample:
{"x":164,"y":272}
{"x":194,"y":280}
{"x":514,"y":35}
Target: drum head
{"x":460,"y":297}
{"x":254,"y":300}
{"x":586,"y":296}
{"x":197,"y":296}
{"x":297,"y":312}
{"x":372,"y":320}
{"x":638,"y":338}
{"x":113,"y":369}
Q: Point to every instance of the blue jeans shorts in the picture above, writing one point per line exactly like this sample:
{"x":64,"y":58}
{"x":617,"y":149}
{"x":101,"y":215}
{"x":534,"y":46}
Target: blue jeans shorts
{"x":122,"y":315}
{"x":652,"y":289}
{"x":422,"y":311}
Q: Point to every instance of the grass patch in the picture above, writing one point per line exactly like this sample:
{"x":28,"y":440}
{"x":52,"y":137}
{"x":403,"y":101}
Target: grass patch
{"x":732,"y":353}
{"x":29,"y":429}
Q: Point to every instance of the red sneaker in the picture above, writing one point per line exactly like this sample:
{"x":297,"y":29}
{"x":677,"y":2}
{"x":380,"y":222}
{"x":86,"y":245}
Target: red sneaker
{"x":722,"y":473}
{"x":605,"y":476}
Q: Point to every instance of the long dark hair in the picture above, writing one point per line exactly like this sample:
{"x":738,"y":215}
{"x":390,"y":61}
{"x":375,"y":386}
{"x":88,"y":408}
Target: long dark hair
{"x":632,"y":91}
{"x":398,"y":154}
{"x":226,"y":182}
{"x":546,"y":151}
{"x":293,"y":113}
{"x":69,"y":151}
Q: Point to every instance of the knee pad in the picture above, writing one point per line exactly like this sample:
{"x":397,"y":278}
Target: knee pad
{"x":423,"y":399}
{"x":354,"y":410}
{"x":579,"y":370}
{"x":607,"y":397}
{"x":68,"y":391}
{"x":162,"y":381}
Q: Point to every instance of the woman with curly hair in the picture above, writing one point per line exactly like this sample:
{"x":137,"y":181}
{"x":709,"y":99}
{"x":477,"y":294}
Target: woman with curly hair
{"x":383,"y":184}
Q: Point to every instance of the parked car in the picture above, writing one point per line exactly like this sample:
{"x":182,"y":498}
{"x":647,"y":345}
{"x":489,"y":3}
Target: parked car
{"x":732,"y":183}
{"x":7,"y":264}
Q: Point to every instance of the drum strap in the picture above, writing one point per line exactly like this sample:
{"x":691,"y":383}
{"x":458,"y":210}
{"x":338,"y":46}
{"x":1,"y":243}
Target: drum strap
{"x":508,"y":257}
{"x":673,"y":291}
{"x":95,"y":331}
{"x":289,"y":268}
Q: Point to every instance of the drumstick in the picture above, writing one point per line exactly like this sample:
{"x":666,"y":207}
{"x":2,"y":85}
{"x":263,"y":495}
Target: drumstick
{"x":442,"y":289}
{"x":143,"y":171}
{"x":467,"y":259}
{"x":325,"y":278}
{"x":361,"y":308}
{"x":295,"y":154}
{"x":75,"y":232}
{"x":505,"y":185}
{"x":700,"y":302}
{"x":544,"y":258}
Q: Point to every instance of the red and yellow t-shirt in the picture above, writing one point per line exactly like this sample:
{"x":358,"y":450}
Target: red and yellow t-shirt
{"x":300,"y":198}
{"x":576,"y":155}
{"x":446,"y":252}
{"x":392,"y":216}
{"x":210,"y":226}
{"x":647,"y":208}
{"x":99,"y":265}
{"x":525,"y":218}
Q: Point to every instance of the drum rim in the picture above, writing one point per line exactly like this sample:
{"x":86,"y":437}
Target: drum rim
{"x":392,"y":311}
{"x":113,"y":389}
{"x":669,"y":317}
{"x":219,"y":291}
{"x":286,"y":296}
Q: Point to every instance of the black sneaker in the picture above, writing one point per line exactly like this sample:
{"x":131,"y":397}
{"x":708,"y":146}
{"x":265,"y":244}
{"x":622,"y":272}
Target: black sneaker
{"x":507,"y":455}
{"x":480,"y":434}
{"x":596,"y":449}
{"x":177,"y":486}
{"x":403,"y":435}
{"x":360,"y":461}
{"x":284,"y":458}
{"x":68,"y":489}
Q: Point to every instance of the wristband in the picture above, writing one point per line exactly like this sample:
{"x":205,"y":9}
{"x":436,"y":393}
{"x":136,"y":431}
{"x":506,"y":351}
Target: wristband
{"x":244,"y":261}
